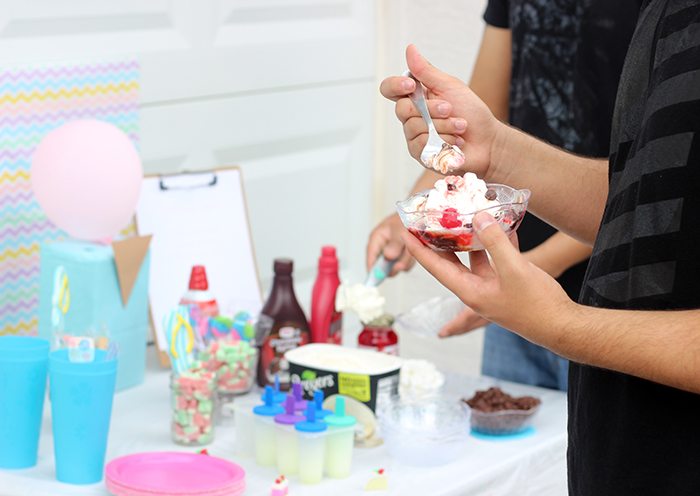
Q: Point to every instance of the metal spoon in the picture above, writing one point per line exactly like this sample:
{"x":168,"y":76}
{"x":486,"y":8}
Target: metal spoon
{"x":436,"y":146}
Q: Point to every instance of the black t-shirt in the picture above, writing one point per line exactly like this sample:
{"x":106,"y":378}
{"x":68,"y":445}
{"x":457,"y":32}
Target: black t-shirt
{"x":567,"y":57}
{"x":629,"y":436}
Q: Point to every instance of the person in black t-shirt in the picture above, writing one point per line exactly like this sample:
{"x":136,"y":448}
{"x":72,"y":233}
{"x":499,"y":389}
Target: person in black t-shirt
{"x":551,"y":68}
{"x":634,"y":338}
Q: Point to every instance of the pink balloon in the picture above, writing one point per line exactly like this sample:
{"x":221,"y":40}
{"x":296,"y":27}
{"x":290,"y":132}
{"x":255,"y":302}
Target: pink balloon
{"x":87,"y":175}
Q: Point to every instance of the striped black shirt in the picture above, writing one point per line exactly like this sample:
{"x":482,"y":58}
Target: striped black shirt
{"x":628,"y":436}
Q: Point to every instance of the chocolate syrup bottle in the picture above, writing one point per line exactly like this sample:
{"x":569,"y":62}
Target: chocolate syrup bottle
{"x":281,"y":327}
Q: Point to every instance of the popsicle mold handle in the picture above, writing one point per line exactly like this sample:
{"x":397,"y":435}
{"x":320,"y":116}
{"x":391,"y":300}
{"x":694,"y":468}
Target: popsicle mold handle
{"x":340,"y":406}
{"x":289,"y":405}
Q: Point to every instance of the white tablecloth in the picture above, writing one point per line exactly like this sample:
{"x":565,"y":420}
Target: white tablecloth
{"x":534,"y":465}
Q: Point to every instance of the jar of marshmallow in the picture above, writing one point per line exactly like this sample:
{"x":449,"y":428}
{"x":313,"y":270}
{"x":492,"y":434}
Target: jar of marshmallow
{"x":193,"y":401}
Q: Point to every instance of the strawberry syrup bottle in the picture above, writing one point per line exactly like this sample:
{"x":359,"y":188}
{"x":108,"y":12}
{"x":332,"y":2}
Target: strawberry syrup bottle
{"x":378,"y":335}
{"x":326,"y":322}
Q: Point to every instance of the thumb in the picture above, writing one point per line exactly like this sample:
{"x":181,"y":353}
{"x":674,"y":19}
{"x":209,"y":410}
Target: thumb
{"x":432,"y":77}
{"x":506,"y":258}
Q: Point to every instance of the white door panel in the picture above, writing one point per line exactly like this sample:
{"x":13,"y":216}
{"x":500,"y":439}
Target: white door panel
{"x":199,"y":48}
{"x":306,"y":165}
{"x":284,"y":88}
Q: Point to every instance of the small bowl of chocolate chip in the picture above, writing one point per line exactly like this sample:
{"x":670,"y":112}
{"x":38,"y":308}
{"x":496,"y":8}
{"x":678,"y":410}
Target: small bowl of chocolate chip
{"x":496,"y":413}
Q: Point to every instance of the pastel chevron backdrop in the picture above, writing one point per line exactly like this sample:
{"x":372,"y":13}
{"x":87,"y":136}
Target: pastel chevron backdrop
{"x":33,"y":101}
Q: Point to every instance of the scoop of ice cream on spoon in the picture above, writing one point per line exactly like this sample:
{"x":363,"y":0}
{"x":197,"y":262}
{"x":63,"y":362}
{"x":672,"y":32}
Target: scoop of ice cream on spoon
{"x":437,"y":154}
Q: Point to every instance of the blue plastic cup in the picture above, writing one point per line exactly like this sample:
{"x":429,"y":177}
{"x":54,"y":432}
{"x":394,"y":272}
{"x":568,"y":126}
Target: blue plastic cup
{"x":23,"y":362}
{"x":81,"y":406}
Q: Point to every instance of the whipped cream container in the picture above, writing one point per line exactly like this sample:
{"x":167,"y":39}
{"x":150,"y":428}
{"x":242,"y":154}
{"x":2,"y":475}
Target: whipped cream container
{"x":339,"y":441}
{"x":287,"y":450}
{"x":368,"y":376}
{"x":265,"y":442}
{"x":312,"y":447}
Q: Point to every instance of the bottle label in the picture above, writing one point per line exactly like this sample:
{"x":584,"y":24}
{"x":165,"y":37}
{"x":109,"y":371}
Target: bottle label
{"x":281,"y":338}
{"x":335,"y":331}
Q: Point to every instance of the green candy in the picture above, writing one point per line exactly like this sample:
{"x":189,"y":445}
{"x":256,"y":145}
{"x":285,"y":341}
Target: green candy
{"x":206,"y":406}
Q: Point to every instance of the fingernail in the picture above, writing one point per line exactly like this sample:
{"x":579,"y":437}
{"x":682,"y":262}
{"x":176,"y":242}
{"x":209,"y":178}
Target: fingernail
{"x":460,"y":124}
{"x":459,"y":142}
{"x":408,"y":84}
{"x":482,"y":220}
{"x":444,"y":109}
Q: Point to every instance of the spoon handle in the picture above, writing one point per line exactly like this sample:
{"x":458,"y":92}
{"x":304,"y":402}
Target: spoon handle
{"x":418,"y":99}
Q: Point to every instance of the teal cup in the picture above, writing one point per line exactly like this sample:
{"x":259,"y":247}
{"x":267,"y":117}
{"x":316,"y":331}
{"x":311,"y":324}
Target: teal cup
{"x":81,"y":406}
{"x":23,"y":363}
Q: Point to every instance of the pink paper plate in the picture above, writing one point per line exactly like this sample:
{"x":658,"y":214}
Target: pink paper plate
{"x":174,"y":474}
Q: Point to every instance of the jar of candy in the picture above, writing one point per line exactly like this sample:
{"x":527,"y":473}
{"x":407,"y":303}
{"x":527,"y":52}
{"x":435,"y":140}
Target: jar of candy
{"x":378,"y":335}
{"x":234,"y":362}
{"x":193,"y":402}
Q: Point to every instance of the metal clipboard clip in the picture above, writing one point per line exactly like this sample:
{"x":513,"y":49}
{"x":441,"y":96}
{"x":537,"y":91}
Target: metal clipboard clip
{"x":188,"y":181}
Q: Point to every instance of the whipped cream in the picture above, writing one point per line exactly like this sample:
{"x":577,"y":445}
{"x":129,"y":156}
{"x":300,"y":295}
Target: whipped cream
{"x":448,"y":159}
{"x":365,"y":301}
{"x":465,"y":194}
{"x":420,"y":381}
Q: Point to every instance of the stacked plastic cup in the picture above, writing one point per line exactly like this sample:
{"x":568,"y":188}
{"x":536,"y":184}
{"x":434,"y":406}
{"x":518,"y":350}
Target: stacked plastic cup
{"x":287,"y":442}
{"x":23,"y":365}
{"x":265,"y":443}
{"x":81,"y":396}
{"x":339,"y":441}
{"x":312,"y":446}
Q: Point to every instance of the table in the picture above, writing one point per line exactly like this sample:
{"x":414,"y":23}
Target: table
{"x":140,"y":422}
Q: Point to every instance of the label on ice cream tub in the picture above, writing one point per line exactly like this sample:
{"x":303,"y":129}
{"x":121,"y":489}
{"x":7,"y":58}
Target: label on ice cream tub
{"x":369,"y":377}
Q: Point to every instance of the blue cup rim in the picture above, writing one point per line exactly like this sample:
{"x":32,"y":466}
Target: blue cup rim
{"x":23,"y":349}
{"x":59,"y":362}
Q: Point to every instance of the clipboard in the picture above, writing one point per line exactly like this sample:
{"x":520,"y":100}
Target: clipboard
{"x":198,"y":218}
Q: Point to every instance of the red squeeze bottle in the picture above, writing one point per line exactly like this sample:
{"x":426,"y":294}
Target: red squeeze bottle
{"x":199,"y":294}
{"x":326,"y":322}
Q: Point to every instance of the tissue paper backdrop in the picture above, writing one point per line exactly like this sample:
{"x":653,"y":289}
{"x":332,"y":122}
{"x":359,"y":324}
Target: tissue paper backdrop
{"x":34,"y":101}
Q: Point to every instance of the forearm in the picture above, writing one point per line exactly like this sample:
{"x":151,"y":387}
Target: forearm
{"x":568,"y":191}
{"x":661,"y":346}
{"x":558,"y":253}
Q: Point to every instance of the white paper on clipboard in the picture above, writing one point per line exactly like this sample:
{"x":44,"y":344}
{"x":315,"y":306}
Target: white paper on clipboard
{"x":198,"y":219}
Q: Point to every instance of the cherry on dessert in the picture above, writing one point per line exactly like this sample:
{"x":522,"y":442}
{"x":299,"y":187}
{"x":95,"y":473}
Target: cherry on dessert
{"x":450,"y":219}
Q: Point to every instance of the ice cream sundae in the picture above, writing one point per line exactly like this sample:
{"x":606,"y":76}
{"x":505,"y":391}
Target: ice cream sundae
{"x":442,"y":217}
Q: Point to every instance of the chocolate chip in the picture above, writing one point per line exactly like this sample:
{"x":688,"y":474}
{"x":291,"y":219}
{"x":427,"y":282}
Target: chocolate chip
{"x":468,"y":225}
{"x":491,"y":194}
{"x":451,"y":187}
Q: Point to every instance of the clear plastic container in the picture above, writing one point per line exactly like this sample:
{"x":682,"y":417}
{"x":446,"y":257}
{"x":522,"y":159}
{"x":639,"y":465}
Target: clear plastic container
{"x":426,"y":225}
{"x":265,"y":442}
{"x":430,"y":316}
{"x":503,"y":422}
{"x":339,"y":441}
{"x":193,"y":404}
{"x":265,"y":438}
{"x":312,"y":452}
{"x":428,"y":434}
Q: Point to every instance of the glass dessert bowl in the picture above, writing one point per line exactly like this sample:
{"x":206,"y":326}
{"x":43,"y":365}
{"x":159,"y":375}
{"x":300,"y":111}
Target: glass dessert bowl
{"x":450,"y":230}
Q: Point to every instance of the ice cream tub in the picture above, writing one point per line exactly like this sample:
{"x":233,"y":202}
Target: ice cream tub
{"x":369,"y":377}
